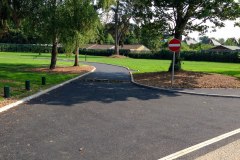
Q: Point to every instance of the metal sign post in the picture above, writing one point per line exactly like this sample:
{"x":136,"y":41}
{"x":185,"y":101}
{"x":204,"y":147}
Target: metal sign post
{"x":172,"y":79}
{"x":174,"y":45}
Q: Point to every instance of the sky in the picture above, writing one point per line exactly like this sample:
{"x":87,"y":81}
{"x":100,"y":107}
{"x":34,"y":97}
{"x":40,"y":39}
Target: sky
{"x":229,"y":31}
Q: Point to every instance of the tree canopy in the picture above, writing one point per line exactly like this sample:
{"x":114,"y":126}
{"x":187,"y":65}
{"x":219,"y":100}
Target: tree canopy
{"x":179,"y":17}
{"x":73,"y":22}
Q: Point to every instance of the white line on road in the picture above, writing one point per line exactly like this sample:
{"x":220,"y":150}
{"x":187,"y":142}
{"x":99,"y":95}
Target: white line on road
{"x":200,"y":145}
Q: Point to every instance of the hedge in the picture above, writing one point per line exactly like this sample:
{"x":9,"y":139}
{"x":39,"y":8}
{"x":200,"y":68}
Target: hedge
{"x":108,"y":52}
{"x":35,"y":48}
{"x":163,"y":54}
{"x":167,"y":55}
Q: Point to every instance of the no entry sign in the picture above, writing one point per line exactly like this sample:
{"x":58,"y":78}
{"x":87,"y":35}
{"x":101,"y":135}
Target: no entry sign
{"x":174,"y":45}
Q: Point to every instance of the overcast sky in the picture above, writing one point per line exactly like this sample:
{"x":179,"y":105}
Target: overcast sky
{"x":228,"y":31}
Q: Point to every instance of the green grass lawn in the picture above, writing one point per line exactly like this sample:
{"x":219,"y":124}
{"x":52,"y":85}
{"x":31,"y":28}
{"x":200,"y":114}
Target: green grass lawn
{"x":148,"y":65}
{"x":13,"y":69}
{"x":13,"y":73}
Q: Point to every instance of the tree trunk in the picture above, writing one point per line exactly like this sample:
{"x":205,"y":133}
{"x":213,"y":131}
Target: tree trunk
{"x":3,"y":28}
{"x":116,"y":30}
{"x":54,"y":54}
{"x":76,"y":62}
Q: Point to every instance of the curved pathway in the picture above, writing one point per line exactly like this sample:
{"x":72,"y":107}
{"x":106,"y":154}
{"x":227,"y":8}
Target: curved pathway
{"x":93,"y":119}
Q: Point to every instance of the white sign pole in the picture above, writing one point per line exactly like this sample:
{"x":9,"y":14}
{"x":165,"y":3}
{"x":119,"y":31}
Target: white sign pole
{"x":173,"y":69}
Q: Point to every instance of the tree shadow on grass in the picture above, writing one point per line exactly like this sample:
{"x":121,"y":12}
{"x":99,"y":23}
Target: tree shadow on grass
{"x":17,"y":71}
{"x":231,"y":73}
{"x":15,"y":75}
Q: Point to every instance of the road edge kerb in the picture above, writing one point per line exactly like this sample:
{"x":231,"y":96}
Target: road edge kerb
{"x":183,"y":92}
{"x":15,"y":104}
{"x":169,"y":90}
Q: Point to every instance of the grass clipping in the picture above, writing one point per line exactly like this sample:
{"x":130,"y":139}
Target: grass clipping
{"x":66,"y":70}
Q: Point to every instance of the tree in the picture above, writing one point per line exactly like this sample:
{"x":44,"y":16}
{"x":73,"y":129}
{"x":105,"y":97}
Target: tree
{"x":231,"y":42}
{"x":181,"y":15}
{"x":47,"y":19}
{"x":14,"y":11}
{"x":221,"y":40}
{"x":151,"y":36}
{"x":122,"y":15}
{"x":204,"y":40}
{"x":82,"y":21}
{"x":109,"y":39}
{"x":50,"y":19}
{"x":4,"y":16}
{"x":58,"y":20}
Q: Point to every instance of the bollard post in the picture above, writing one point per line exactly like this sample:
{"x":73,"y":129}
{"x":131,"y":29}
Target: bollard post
{"x":43,"y":80}
{"x":27,"y":85}
{"x":6,"y":91}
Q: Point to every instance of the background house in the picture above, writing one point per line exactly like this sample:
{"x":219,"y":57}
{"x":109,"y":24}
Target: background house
{"x":214,"y":42}
{"x":132,"y":48}
{"x":135,"y":48}
{"x":223,"y":48}
{"x":189,"y":41}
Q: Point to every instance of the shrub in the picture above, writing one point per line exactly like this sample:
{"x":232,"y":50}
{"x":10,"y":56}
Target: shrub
{"x":165,"y":54}
{"x":36,"y":48}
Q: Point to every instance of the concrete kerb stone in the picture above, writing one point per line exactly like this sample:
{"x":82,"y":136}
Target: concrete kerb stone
{"x":12,"y":105}
{"x":172,"y":90}
{"x":167,"y":89}
{"x":183,"y":92}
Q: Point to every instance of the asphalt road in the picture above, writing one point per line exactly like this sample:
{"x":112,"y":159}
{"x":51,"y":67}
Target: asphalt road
{"x":94,"y":120}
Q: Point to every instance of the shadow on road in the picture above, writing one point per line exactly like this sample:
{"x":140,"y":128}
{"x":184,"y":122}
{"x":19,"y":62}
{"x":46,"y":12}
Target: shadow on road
{"x":79,"y":92}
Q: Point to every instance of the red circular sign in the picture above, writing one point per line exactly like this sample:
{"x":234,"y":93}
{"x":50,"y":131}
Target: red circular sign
{"x":174,"y":45}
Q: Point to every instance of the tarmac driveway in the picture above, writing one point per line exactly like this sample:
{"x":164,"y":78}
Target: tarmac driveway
{"x":91,"y":119}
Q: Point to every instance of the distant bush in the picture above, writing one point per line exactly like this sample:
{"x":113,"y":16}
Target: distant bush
{"x":163,"y":54}
{"x":35,"y":48}
{"x":212,"y":56}
{"x":167,"y":55}
{"x":108,"y":52}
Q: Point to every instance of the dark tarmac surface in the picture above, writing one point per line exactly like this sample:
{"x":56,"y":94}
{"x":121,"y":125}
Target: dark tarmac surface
{"x":87,"y":120}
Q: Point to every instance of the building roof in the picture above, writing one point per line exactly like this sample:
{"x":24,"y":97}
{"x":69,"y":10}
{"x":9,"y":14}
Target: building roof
{"x":134,"y":47}
{"x":232,"y":47}
{"x":223,"y":47}
{"x":85,"y":45}
{"x":100,"y":46}
{"x":190,"y":41}
{"x":127,"y":47}
{"x":215,"y":43}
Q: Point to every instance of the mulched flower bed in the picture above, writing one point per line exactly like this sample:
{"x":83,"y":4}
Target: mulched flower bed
{"x":186,"y":79}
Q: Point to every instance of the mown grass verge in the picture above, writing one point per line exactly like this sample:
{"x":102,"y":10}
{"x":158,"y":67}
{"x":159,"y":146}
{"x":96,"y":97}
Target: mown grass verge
{"x":15,"y":69}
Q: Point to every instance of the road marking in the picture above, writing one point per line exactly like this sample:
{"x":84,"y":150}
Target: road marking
{"x":9,"y":106}
{"x":200,"y":145}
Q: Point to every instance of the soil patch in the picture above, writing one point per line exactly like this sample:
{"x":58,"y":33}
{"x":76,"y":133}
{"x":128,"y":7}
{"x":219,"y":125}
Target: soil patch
{"x":6,"y":102}
{"x":65,"y":70}
{"x":185,"y":79}
{"x":117,"y":56}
